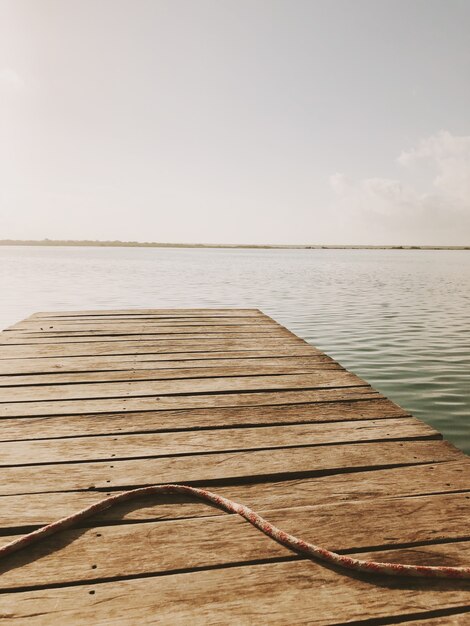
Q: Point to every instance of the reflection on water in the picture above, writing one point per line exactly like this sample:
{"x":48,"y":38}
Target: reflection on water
{"x":399,"y":319}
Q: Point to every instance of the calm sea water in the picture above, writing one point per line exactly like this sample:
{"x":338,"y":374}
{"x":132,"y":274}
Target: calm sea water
{"x":399,"y":319}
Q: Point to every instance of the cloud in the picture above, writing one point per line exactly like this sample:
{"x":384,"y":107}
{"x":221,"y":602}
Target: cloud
{"x":384,"y":196}
{"x":450,"y":157}
{"x":445,"y":161}
{"x":429,"y":203}
{"x":10,"y":80}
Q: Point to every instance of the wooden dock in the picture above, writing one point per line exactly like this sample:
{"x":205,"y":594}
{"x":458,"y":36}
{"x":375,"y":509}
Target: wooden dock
{"x":94,"y":402}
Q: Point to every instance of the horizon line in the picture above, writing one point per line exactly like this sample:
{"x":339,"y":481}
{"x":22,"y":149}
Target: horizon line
{"x":149,"y":244}
{"x":152,"y":244}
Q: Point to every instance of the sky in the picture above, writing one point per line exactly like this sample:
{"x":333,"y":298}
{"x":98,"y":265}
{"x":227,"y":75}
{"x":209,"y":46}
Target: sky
{"x":236,"y":121}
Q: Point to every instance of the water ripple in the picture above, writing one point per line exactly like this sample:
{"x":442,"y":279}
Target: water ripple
{"x":399,"y":319}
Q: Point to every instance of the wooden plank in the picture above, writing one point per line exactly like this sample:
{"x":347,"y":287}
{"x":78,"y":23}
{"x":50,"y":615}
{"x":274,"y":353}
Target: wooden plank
{"x":37,"y":509}
{"x":169,"y":546}
{"x":138,"y":315}
{"x":80,"y":407}
{"x":190,"y":419}
{"x":157,"y":346}
{"x":97,"y":328}
{"x":139,"y":337}
{"x":231,"y":316}
{"x":193,"y":442}
{"x":449,"y":619}
{"x":165,"y":374}
{"x":306,"y":592}
{"x":107,"y":400}
{"x":66,"y":327}
{"x":151,"y":318}
{"x":302,"y":592}
{"x":19,"y":339}
{"x":181,"y":312}
{"x":41,"y":331}
{"x":223,"y":466}
{"x":174,"y":326}
{"x":157,"y":361}
{"x":136,"y":388}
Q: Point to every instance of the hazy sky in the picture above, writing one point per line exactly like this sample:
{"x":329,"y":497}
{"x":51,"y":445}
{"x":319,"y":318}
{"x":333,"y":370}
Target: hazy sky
{"x":225,"y":121}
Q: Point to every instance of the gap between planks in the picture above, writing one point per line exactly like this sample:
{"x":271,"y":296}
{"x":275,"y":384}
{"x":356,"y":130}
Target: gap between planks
{"x":220,"y":467}
{"x":207,"y":542}
{"x":32,"y":510}
{"x":153,"y":445}
{"x":340,"y":467}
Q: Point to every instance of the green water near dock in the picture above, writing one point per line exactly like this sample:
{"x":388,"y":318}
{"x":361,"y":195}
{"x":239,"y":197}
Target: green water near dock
{"x":397,"y":318}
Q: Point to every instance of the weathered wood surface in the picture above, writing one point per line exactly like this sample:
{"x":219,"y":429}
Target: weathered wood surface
{"x":447,"y":618}
{"x":234,"y":466}
{"x":428,"y":479}
{"x":92,"y":331}
{"x":158,"y":313}
{"x":156,"y":346}
{"x":169,"y":546}
{"x":292,"y":592}
{"x":190,"y":419}
{"x":151,"y":337}
{"x":259,"y":368}
{"x":135,"y":388}
{"x":121,"y":328}
{"x":93,"y":401}
{"x":196,"y":360}
{"x":169,"y":402}
{"x":227,"y":439}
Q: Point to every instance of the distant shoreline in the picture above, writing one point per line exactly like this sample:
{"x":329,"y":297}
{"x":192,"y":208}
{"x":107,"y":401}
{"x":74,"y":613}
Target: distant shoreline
{"x":139,"y":244}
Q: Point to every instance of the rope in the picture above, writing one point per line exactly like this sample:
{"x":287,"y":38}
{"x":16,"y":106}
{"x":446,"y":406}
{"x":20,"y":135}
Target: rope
{"x":294,"y":543}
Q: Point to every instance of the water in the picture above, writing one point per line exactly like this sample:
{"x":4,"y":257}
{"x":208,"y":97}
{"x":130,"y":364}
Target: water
{"x":399,"y":319}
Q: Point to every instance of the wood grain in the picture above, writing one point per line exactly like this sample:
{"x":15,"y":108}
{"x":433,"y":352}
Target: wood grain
{"x":135,"y":388}
{"x":153,"y":403}
{"x":157,"y":346}
{"x":169,"y":546}
{"x":137,"y":313}
{"x":133,"y":337}
{"x":259,"y":369}
{"x":191,"y":419}
{"x":223,"y":466}
{"x":94,"y":402}
{"x":36,"y":509}
{"x":195,"y":441}
{"x":449,"y":619}
{"x":51,"y":365}
{"x":40,"y":329}
{"x":296,"y":592}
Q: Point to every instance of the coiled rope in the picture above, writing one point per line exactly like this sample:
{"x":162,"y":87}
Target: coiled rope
{"x":296,"y":544}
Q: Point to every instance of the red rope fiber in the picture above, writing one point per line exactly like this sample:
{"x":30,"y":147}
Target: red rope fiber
{"x":290,"y":541}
